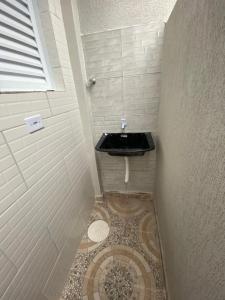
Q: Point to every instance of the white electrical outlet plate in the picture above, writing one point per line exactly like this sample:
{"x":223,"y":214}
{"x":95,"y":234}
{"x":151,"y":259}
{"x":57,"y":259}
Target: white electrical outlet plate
{"x":34,"y":123}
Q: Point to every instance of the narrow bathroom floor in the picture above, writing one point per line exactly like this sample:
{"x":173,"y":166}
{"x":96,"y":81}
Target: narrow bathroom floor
{"x":127,"y":264}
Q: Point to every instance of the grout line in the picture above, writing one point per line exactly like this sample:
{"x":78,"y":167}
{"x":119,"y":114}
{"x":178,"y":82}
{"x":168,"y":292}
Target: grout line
{"x":146,"y":73}
{"x":45,"y":118}
{"x":142,"y":11}
{"x":13,"y":157}
{"x":128,"y":76}
{"x":9,"y":259}
{"x":123,"y":27}
{"x":122,"y":83}
{"x":48,"y":100}
{"x":50,"y":237}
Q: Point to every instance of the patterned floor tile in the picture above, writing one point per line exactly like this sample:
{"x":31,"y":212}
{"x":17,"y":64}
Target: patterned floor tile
{"x":127,"y":265}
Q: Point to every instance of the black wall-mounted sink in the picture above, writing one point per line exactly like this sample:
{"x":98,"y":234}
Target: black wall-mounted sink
{"x":125,"y":144}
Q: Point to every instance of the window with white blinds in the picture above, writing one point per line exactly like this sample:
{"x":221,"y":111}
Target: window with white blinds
{"x":22,"y":62}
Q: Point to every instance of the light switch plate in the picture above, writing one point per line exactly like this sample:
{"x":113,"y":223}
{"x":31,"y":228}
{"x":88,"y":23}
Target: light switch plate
{"x":34,"y":123}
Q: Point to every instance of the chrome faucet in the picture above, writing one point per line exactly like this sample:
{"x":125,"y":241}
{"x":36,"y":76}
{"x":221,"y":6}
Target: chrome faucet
{"x":123,"y":125}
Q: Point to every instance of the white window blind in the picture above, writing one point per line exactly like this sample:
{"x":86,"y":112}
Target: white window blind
{"x":22,"y":62}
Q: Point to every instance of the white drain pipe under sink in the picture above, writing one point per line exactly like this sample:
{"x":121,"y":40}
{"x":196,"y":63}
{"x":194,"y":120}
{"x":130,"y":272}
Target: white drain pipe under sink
{"x":127,"y":171}
{"x":123,"y":126}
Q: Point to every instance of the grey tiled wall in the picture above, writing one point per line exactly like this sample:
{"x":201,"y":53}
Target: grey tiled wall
{"x":126,"y":63}
{"x":100,"y":15}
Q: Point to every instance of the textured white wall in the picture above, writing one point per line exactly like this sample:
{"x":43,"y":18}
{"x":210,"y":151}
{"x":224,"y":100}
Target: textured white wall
{"x":46,"y":191}
{"x":126,"y":62}
{"x":191,"y":160}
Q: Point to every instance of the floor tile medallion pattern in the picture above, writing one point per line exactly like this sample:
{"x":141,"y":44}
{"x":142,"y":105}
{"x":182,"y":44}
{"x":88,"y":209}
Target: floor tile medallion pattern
{"x":126,"y":265}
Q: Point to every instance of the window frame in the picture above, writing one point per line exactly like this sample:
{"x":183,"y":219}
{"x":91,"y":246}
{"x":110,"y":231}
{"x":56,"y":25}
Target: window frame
{"x":25,"y":86}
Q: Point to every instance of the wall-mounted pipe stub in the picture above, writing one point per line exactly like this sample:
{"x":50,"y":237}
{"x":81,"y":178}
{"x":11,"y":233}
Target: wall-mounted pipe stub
{"x":127,"y":171}
{"x":91,"y":81}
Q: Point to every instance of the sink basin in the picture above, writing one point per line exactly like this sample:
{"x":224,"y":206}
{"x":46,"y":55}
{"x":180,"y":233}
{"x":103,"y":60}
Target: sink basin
{"x":125,"y":144}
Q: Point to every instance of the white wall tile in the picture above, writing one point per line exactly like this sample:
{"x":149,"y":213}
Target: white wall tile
{"x":31,"y":277}
{"x":103,"y":54}
{"x":12,"y":185}
{"x":15,"y":107}
{"x":46,"y":191}
{"x":7,"y":272}
{"x":157,"y":9}
{"x":99,"y":15}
